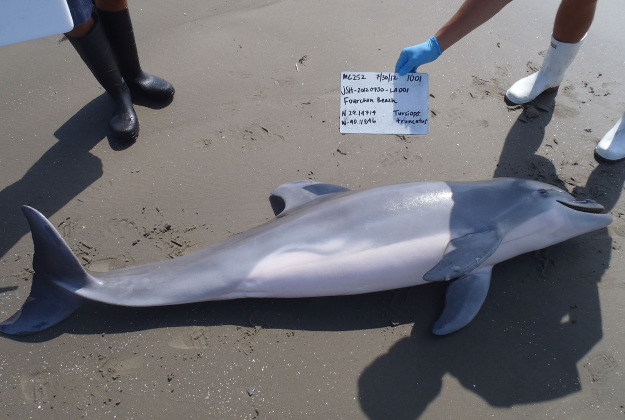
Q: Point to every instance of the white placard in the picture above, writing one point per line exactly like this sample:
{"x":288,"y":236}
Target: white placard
{"x":22,"y":20}
{"x":384,"y":103}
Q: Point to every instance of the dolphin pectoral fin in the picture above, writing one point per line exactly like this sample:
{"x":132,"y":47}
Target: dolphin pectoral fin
{"x":463,"y":301}
{"x":293,"y":194}
{"x":465,"y":254}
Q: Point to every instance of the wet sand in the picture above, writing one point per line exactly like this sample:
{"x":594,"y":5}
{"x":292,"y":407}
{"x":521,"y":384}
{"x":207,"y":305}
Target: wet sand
{"x":548,"y":342}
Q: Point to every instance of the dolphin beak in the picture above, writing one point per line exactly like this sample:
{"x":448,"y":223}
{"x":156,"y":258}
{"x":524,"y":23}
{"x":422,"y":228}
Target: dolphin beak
{"x":586,"y":206}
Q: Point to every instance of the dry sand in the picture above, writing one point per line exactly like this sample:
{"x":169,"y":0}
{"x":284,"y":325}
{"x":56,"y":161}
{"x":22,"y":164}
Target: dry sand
{"x":549,"y":341}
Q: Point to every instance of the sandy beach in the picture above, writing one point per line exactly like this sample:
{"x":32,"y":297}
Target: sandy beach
{"x":257,"y":105}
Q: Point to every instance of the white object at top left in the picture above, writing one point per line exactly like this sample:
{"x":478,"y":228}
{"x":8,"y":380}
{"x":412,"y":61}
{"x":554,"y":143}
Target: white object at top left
{"x":23,"y":20}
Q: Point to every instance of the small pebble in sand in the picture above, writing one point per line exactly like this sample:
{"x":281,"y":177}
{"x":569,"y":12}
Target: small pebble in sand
{"x":531,"y":112}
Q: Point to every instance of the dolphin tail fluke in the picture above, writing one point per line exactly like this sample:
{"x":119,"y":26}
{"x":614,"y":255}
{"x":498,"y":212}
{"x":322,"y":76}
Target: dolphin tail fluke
{"x":47,"y":305}
{"x":54,"y":263}
{"x":463,"y":301}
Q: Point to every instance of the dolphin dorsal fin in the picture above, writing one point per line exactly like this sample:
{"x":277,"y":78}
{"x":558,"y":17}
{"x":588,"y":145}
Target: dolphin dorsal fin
{"x":463,"y":301}
{"x":293,"y":194}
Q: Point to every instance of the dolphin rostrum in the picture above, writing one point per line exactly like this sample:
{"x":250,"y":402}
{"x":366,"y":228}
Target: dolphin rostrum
{"x":327,"y":240}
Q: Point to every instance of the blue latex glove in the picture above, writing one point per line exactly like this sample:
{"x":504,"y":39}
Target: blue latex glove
{"x":412,"y":57}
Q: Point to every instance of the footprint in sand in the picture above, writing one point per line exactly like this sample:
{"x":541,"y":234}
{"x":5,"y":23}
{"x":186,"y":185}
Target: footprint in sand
{"x":112,"y":263}
{"x":37,"y":387}
{"x":111,"y":368}
{"x":196,"y":338}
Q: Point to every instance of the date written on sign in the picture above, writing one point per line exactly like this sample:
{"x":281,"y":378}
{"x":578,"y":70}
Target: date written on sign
{"x":384,"y":103}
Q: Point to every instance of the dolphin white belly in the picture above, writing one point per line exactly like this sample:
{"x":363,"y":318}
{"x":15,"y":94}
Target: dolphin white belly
{"x":368,"y":270}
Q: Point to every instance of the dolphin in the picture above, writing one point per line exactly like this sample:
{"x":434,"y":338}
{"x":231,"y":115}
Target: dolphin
{"x":327,"y":240}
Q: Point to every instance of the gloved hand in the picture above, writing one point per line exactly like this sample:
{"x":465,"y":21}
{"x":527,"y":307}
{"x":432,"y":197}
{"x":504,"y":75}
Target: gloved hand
{"x":412,"y":57}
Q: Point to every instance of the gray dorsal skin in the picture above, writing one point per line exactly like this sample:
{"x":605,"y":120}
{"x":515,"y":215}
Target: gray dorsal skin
{"x":328,"y":241}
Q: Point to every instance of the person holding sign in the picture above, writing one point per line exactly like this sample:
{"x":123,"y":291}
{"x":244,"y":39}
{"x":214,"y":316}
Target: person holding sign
{"x":572,"y":22}
{"x":105,"y":41}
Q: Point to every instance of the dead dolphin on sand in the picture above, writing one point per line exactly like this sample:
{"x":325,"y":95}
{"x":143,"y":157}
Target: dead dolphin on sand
{"x":327,"y":240}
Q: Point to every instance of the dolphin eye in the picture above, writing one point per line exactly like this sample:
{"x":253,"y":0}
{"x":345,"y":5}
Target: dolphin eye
{"x":542,"y":191}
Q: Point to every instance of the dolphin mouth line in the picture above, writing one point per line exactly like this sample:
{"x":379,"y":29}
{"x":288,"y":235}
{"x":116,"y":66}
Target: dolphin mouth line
{"x":586,"y":206}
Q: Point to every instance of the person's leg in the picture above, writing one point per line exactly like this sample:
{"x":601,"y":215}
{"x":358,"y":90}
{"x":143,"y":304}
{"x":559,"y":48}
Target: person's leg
{"x":92,"y":45}
{"x":572,"y":21}
{"x":115,"y":19}
{"x":571,"y":25}
{"x":111,"y":5}
{"x":81,"y":11}
{"x":81,"y":30}
{"x":612,"y":145}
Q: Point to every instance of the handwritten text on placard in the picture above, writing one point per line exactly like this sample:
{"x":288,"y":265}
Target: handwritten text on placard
{"x":384,"y":103}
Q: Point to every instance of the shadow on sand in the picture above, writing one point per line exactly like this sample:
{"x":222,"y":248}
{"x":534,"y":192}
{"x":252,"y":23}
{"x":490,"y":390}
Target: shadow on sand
{"x":63,"y":172}
{"x":542,"y":315}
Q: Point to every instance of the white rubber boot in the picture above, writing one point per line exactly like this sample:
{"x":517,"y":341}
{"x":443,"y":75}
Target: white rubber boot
{"x":559,"y":57}
{"x":612,"y":145}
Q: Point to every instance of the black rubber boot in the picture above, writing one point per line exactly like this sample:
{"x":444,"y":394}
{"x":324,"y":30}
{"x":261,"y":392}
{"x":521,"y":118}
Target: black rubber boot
{"x":118,"y":28}
{"x":95,"y":51}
